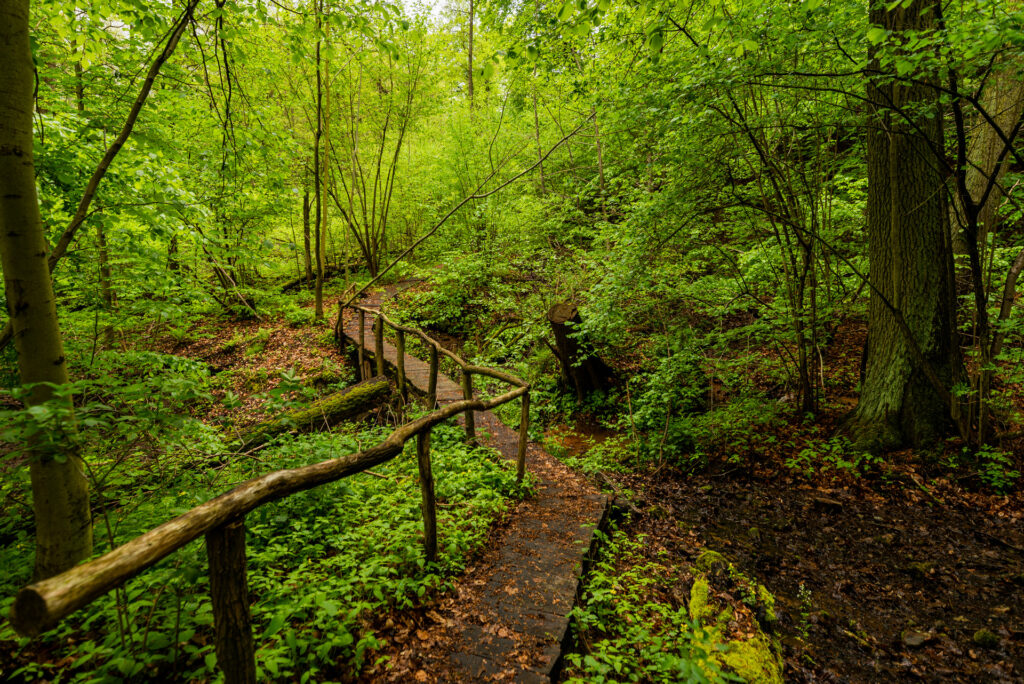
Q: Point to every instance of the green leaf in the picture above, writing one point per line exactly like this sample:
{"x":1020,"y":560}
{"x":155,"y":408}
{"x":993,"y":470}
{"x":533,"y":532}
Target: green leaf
{"x":276,"y":623}
{"x":877,"y":34}
{"x":565,"y":11}
{"x":655,"y":42}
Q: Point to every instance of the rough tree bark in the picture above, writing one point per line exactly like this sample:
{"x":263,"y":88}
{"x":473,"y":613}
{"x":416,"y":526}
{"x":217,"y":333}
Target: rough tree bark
{"x":585,"y":373}
{"x":60,"y":491}
{"x":911,"y":261}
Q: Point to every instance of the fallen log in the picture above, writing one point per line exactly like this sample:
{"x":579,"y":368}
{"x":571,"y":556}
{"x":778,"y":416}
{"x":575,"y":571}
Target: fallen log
{"x":329,"y":272}
{"x":322,"y":413}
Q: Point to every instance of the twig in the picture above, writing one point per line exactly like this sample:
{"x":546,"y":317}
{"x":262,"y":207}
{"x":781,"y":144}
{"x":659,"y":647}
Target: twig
{"x":618,"y":492}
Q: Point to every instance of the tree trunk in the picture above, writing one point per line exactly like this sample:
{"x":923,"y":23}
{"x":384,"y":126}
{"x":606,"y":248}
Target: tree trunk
{"x":60,"y":491}
{"x":585,"y":372}
{"x":536,"y":136}
{"x":173,"y":265}
{"x":1003,"y":99}
{"x":319,"y":291}
{"x":305,"y":236}
{"x":469,"y":64}
{"x":911,"y":263}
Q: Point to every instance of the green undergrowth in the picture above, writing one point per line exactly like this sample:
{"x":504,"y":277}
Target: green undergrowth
{"x":320,"y":563}
{"x":638,"y":622}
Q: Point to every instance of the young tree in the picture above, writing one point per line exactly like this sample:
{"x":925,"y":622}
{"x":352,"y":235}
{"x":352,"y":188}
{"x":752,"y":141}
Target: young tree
{"x":60,"y":490}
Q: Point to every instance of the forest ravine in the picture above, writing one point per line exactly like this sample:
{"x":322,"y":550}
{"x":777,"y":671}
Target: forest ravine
{"x":736,"y":283}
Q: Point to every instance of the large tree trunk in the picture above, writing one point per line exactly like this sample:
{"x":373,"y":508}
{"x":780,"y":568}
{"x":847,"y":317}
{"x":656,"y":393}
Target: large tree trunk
{"x":911,"y":264}
{"x":583,"y":372}
{"x":60,"y":491}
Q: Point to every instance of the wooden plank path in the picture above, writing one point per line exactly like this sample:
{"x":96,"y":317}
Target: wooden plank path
{"x":508,"y":620}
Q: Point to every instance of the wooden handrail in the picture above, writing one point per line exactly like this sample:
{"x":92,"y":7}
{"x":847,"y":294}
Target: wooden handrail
{"x":430,"y":341}
{"x":222,"y":520}
{"x":43,"y":603}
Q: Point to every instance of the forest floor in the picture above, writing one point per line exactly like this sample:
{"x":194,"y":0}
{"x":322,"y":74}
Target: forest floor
{"x":903,"y":574}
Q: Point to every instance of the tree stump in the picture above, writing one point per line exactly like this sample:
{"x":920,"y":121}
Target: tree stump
{"x":583,"y":372}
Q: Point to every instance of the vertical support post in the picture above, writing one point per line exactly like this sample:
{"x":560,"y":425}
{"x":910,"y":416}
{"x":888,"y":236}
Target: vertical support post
{"x":467,"y":393}
{"x":378,"y":349}
{"x":225,"y":549}
{"x":402,"y":386}
{"x":524,"y":428}
{"x":432,"y":382}
{"x":427,"y":489}
{"x":339,"y":331}
{"x":362,"y":343}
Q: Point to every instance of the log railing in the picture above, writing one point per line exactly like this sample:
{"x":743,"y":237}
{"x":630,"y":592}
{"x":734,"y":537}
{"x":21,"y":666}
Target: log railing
{"x":380,"y":321}
{"x":221,"y":521}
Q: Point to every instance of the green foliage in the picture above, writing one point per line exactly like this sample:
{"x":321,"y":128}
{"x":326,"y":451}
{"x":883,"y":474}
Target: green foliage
{"x":319,"y":563}
{"x":996,"y":469}
{"x":258,"y":342}
{"x":837,"y":454}
{"x":630,"y":632}
{"x":460,"y":295}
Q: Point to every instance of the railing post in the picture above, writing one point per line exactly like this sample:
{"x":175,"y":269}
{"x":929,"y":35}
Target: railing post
{"x":432,"y":382}
{"x":225,"y":549}
{"x":524,"y":428}
{"x":378,"y":349}
{"x":339,"y":331}
{"x":362,"y":343}
{"x":427,"y":488}
{"x":402,"y":386}
{"x":467,"y":393}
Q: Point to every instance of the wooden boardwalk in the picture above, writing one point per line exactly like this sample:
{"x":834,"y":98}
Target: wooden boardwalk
{"x":509,"y":618}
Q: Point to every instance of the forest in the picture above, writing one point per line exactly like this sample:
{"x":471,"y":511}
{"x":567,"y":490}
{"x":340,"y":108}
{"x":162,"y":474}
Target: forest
{"x":511,"y":340}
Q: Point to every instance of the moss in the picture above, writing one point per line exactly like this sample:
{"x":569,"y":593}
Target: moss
{"x":328,"y":410}
{"x":754,"y":660}
{"x":711,"y":561}
{"x":698,"y":605}
{"x":986,"y":638}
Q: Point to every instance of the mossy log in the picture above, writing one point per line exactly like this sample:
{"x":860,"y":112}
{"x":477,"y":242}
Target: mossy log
{"x":329,"y":272}
{"x":323,"y":413}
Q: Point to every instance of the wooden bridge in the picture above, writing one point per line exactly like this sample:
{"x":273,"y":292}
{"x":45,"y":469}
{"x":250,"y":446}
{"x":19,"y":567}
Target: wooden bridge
{"x":523,"y":600}
{"x":519,"y":602}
